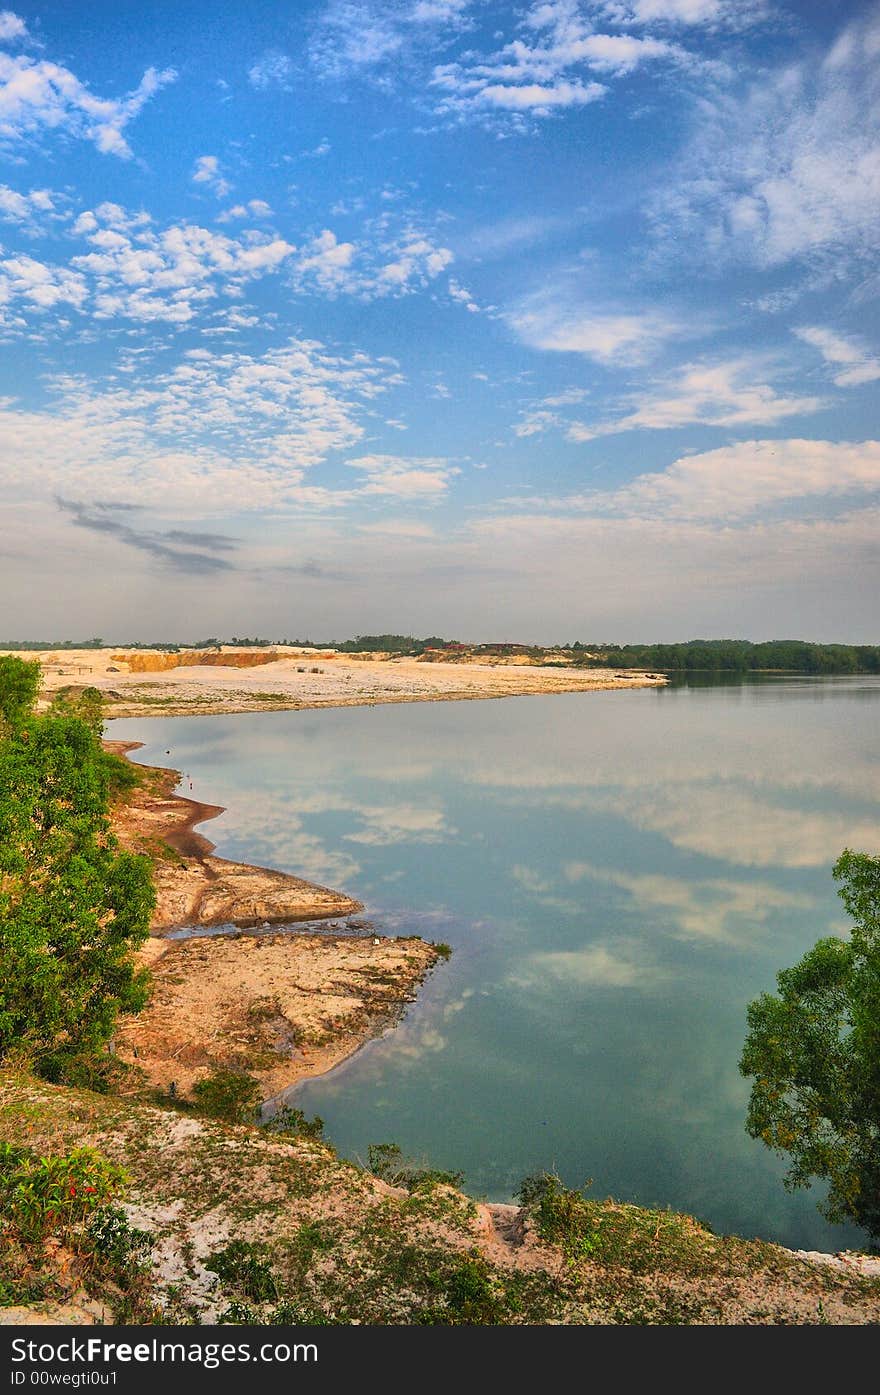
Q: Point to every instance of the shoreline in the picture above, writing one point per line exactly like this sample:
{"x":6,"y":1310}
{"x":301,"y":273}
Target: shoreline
{"x":193,"y":887}
{"x":147,"y":684}
{"x":282,"y":1007}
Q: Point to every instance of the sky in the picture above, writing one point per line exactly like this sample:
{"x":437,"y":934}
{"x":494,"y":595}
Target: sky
{"x":544,"y":322}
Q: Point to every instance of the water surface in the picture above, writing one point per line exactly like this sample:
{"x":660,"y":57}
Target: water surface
{"x":618,"y":873}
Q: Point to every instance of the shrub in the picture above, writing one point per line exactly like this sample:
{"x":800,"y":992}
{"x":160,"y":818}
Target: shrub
{"x":54,"y":1195}
{"x":231,"y":1095}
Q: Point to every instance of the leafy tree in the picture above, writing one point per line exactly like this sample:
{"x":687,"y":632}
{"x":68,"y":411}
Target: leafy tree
{"x":813,"y":1050}
{"x":19,"y":685}
{"x":73,"y":906}
{"x":85,"y":703}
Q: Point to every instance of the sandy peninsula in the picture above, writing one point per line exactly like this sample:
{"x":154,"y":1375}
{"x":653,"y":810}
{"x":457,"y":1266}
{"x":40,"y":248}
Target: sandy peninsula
{"x":142,"y":683}
{"x":280,"y":1006}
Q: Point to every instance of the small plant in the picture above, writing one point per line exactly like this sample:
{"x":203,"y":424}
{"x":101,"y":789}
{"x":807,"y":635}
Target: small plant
{"x":54,"y":1195}
{"x":387,"y":1161}
{"x":287,"y":1120}
{"x":245,"y":1271}
{"x":110,"y":1237}
{"x":231,"y":1095}
{"x":444,"y":951}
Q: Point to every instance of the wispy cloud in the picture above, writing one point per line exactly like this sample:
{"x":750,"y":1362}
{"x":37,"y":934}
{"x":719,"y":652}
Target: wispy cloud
{"x":217,"y":427}
{"x":38,"y":98}
{"x":853,"y":362}
{"x":787,"y":169}
{"x":729,"y":393}
{"x":207,"y":171}
{"x":552,"y":319}
{"x":273,"y":69}
{"x":189,"y":552}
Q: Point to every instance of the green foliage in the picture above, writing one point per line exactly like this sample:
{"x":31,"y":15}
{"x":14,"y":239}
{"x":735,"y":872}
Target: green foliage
{"x":387,"y":1161}
{"x":110,"y":1238}
{"x":612,"y":1234}
{"x":390,"y":644}
{"x":85,"y":703}
{"x":231,"y":1095}
{"x":735,"y":656}
{"x":19,"y":685}
{"x":288,"y":1120}
{"x":244,"y":1271}
{"x":54,"y":1195}
{"x":73,"y":906}
{"x":813,"y":1050}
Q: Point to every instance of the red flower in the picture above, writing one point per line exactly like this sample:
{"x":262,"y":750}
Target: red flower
{"x":72,"y":1191}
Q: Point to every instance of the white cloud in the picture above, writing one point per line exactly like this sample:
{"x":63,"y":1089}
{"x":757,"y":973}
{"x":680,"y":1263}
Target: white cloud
{"x":274,"y":69}
{"x":27,"y":209}
{"x":856,"y":364}
{"x":550,"y":73}
{"x":387,"y":825}
{"x":207,"y":171}
{"x":711,"y":394}
{"x":385,"y":262}
{"x":42,"y":287}
{"x":738,"y":482}
{"x":12,"y":27}
{"x":148,"y":274}
{"x":38,"y":97}
{"x":713,"y":14}
{"x":788,"y":169}
{"x":326,"y":263}
{"x":595,"y":966}
{"x":421,"y":478}
{"x":217,"y":430}
{"x":254,"y":208}
{"x":743,"y":828}
{"x":550,"y":320}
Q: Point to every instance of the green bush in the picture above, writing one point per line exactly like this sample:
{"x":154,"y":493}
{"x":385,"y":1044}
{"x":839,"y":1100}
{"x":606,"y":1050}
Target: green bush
{"x":73,"y":906}
{"x":54,"y":1195}
{"x":231,"y":1095}
{"x":387,"y":1161}
{"x":288,"y":1120}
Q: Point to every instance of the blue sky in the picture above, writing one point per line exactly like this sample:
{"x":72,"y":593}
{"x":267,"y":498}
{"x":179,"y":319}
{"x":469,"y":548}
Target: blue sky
{"x":543,"y":321}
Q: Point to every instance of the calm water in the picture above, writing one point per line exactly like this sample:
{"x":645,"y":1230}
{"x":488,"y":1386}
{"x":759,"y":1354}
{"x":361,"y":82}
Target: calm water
{"x":618,"y":874}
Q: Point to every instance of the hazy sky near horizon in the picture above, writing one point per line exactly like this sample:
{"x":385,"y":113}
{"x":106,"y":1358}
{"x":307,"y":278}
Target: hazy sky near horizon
{"x":540,"y":321}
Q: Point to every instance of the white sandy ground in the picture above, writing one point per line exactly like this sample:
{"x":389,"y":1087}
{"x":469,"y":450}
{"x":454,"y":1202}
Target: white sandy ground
{"x":308,"y":679}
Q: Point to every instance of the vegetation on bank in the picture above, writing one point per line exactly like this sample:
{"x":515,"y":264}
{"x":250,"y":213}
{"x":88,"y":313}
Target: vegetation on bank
{"x":813,"y":1051}
{"x":229,"y":1223}
{"x":734,"y":656}
{"x":73,"y":905}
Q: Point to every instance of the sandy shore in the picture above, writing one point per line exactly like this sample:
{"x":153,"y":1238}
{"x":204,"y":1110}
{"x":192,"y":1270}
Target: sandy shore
{"x":192,"y":886}
{"x":242,"y":681}
{"x":279,"y":1006}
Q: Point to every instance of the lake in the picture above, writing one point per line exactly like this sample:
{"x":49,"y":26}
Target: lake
{"x":618,"y":874}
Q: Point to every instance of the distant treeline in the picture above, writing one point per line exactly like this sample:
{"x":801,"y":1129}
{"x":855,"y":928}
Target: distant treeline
{"x":694,"y":656}
{"x":734,"y":656}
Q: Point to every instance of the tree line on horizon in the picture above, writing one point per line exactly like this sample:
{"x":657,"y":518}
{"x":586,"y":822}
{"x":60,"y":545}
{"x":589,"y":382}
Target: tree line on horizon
{"x":690,"y":656}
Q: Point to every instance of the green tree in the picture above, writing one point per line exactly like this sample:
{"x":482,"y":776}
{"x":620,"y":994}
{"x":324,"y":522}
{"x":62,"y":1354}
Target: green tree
{"x":19,"y":685}
{"x":73,"y":906}
{"x":813,"y":1050}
